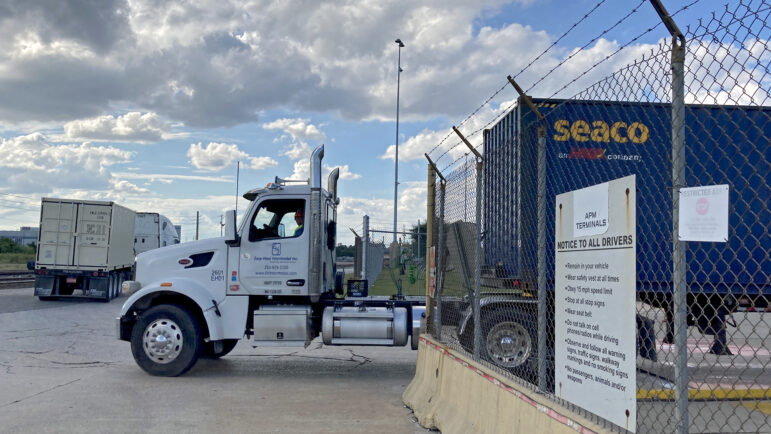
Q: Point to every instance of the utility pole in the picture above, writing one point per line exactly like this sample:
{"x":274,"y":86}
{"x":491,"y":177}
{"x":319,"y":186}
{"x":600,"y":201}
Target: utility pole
{"x":196,"y":225}
{"x":238,"y":173}
{"x":417,"y":237}
{"x":396,"y":158}
{"x":221,"y":225}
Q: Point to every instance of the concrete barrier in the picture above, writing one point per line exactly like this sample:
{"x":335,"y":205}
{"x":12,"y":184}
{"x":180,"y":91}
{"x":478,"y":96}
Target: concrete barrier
{"x":453,"y":394}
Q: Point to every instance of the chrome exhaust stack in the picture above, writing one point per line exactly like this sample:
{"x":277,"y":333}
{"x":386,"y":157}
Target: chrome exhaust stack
{"x":332,"y":183}
{"x":316,"y":157}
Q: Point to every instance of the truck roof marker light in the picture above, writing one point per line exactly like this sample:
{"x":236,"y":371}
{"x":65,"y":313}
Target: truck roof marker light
{"x":166,"y":284}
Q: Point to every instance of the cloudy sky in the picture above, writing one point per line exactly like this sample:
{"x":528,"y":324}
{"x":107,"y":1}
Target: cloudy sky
{"x":151,"y":103}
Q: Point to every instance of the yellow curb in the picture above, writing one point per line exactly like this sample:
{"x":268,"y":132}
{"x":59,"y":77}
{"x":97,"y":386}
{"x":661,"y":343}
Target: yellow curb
{"x":706,"y":395}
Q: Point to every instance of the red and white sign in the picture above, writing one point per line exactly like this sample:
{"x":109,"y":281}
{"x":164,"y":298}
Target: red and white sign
{"x":703,"y":213}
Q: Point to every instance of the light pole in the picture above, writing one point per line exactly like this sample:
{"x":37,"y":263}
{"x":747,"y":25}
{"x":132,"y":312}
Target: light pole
{"x":396,"y":159}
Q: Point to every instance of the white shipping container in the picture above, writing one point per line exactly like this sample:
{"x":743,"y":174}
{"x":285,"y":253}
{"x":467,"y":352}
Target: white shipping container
{"x":80,"y":234}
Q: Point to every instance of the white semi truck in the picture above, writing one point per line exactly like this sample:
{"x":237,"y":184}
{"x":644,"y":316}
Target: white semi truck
{"x":153,"y":230}
{"x":272,"y":279}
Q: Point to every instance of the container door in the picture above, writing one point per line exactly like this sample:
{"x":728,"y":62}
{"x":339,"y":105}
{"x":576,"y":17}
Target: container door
{"x":274,"y":249}
{"x":93,"y":235}
{"x":57,"y":229}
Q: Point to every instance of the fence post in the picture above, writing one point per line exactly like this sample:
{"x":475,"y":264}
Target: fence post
{"x":541,"y":223}
{"x":430,"y":215}
{"x":439,"y":281}
{"x":678,"y":247}
{"x":478,"y":266}
{"x":364,"y":247}
{"x":439,"y":277}
{"x":478,"y":247}
{"x":679,"y":286}
{"x":542,"y":300}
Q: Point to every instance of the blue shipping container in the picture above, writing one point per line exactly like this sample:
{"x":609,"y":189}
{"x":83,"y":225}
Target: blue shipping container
{"x":590,"y":142}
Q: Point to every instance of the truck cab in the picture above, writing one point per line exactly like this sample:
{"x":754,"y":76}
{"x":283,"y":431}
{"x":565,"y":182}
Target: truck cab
{"x":271,"y":278}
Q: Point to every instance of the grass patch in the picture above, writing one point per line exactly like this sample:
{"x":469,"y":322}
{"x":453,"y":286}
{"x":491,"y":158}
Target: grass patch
{"x":385,"y":285}
{"x":13,"y":267}
{"x":16,"y":258}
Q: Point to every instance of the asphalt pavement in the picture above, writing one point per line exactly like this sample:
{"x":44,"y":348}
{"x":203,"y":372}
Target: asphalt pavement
{"x":63,"y":370}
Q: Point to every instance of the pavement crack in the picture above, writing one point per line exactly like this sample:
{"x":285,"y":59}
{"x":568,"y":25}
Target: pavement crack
{"x":358,"y":358}
{"x":40,"y":393}
{"x":81,"y":363}
{"x":24,"y":331}
{"x":34,"y":352}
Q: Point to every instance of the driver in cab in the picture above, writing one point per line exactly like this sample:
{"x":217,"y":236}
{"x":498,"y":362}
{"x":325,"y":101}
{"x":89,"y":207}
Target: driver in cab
{"x":298,"y":218}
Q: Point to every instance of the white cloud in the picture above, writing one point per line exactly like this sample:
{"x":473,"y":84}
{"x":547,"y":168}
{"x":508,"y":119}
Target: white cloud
{"x":131,"y":127}
{"x":298,"y":128}
{"x":220,"y":63}
{"x":217,"y":156}
{"x":33,"y":164}
{"x":123,"y":187}
{"x":345,"y":172}
{"x":297,"y":151}
{"x":168,"y":178}
{"x":302,"y":171}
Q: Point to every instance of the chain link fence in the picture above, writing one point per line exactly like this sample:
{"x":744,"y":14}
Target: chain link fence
{"x":395,"y":270}
{"x":695,"y":112}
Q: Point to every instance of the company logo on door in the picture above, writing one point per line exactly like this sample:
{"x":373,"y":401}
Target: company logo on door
{"x":276,"y":251}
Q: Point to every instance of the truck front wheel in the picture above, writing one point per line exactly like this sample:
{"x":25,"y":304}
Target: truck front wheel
{"x":166,"y":340}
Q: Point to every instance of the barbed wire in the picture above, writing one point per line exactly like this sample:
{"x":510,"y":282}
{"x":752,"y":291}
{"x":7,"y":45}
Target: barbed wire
{"x":560,"y":38}
{"x":487,"y":101}
{"x":725,"y":26}
{"x":449,"y":149}
{"x":603,"y":33}
{"x":475,"y":132}
{"x":633,"y":40}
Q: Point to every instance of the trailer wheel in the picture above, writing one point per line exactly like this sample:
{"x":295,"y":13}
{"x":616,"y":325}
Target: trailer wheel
{"x":166,"y":340}
{"x":509,"y":340}
{"x":207,"y":352}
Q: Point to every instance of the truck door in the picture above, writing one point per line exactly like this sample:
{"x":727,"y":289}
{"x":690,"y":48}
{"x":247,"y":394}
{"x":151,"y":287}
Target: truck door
{"x":274,"y":248}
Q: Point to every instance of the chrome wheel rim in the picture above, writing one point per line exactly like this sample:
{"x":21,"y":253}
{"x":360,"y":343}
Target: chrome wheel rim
{"x":162,"y":341}
{"x":508,"y":344}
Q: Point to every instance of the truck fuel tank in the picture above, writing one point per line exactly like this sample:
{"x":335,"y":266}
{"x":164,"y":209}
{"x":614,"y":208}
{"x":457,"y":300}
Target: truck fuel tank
{"x":363,"y":325}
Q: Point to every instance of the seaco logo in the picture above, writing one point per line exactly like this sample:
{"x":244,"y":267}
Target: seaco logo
{"x":600,"y":131}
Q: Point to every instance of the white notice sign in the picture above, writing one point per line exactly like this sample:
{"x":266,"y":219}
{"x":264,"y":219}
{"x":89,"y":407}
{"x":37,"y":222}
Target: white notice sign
{"x":595,"y":285}
{"x":704,"y":214}
{"x":590,"y":210}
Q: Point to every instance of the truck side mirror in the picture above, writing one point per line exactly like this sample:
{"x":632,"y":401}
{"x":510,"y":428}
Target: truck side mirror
{"x":231,"y":237}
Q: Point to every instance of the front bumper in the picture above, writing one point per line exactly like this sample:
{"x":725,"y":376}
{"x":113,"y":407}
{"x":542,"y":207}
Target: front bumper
{"x":123,"y":327}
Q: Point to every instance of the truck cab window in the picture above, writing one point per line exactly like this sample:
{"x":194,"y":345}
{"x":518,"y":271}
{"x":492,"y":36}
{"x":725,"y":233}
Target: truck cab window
{"x":278,"y":218}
